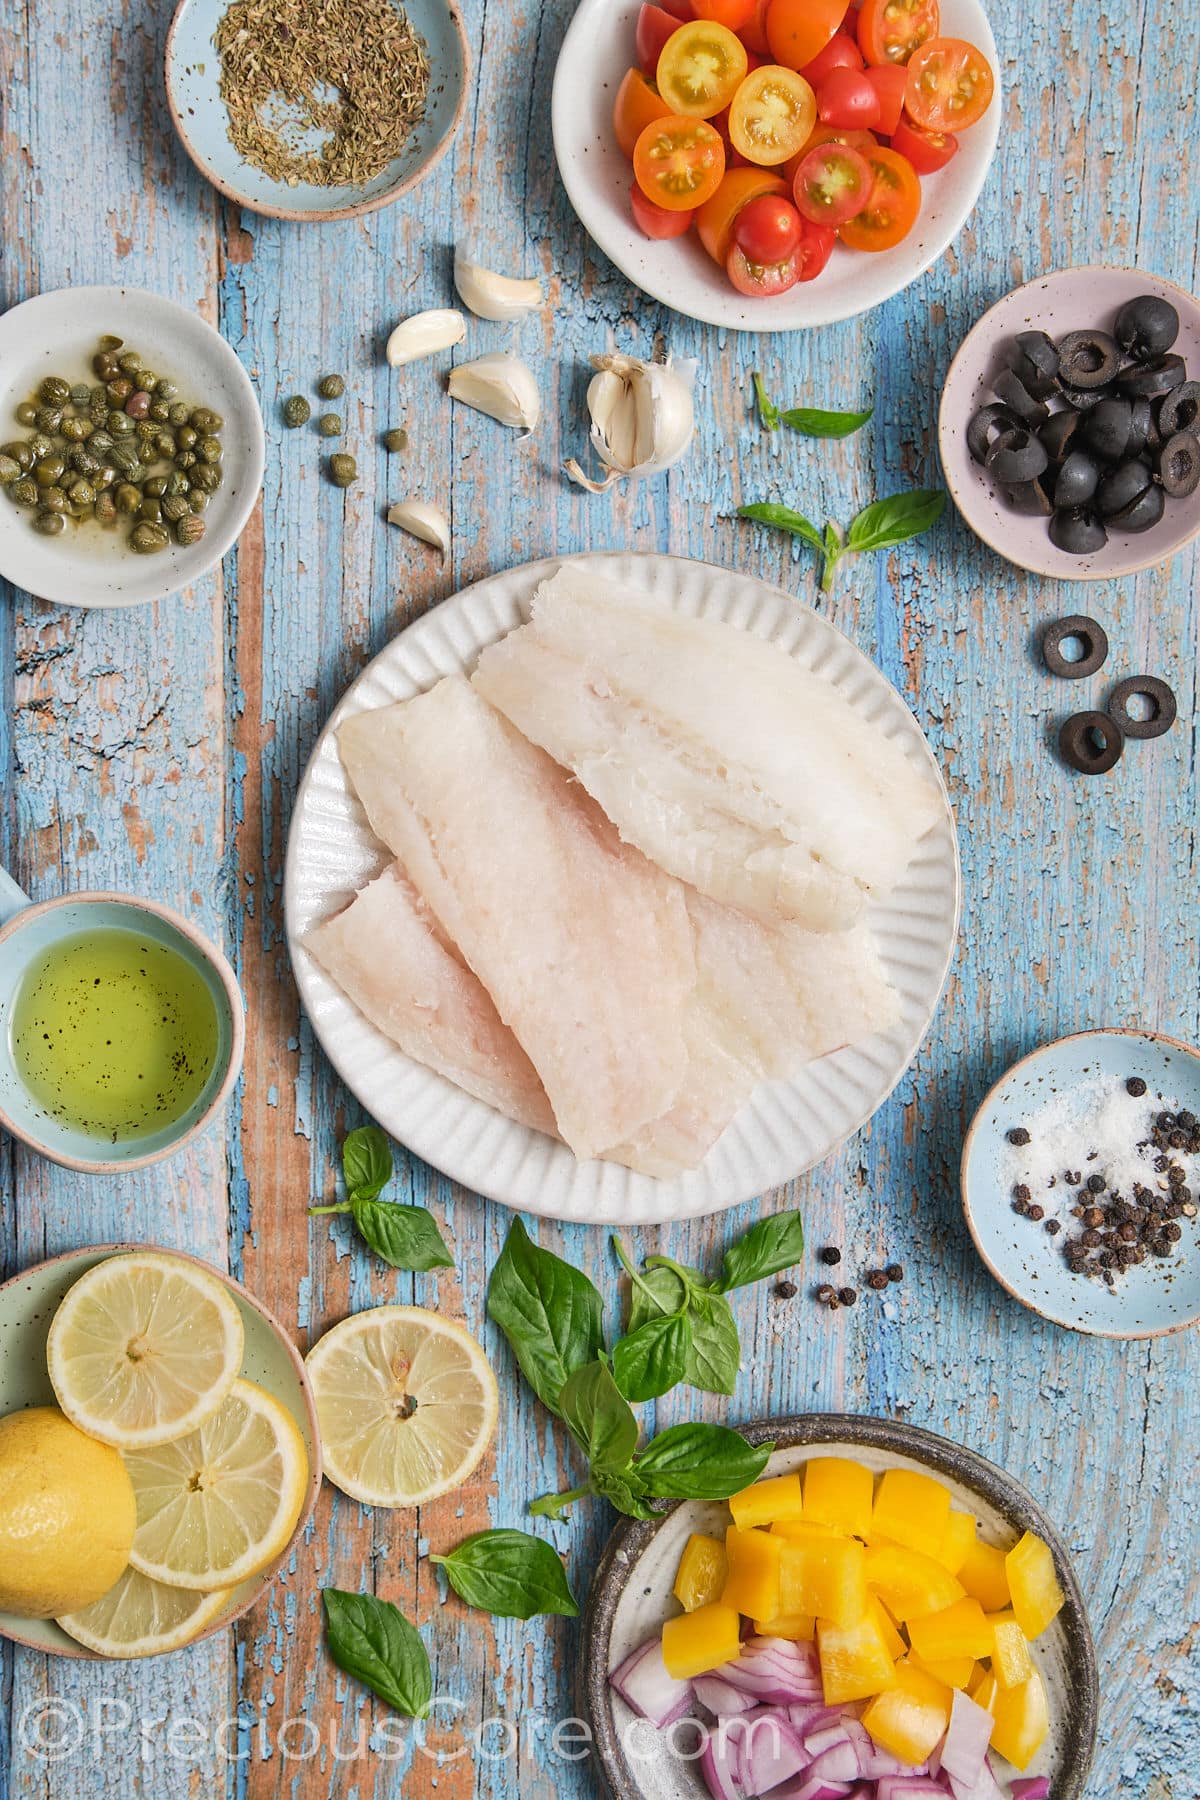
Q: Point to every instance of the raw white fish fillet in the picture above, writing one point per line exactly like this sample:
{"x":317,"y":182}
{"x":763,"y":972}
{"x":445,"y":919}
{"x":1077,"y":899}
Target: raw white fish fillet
{"x":387,"y":955}
{"x":583,"y":945}
{"x":714,"y":752}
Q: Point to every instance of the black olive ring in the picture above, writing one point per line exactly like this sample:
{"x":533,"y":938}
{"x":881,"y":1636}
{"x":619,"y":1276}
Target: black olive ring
{"x":1162,"y":702}
{"x":1092,"y":637}
{"x":1078,"y":742}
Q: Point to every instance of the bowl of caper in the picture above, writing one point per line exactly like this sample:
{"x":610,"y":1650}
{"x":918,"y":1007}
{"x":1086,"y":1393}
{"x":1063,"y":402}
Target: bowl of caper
{"x":131,"y":447}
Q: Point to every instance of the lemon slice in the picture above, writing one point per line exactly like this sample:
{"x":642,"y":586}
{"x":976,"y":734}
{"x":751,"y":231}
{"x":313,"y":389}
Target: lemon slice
{"x":217,"y":1506}
{"x":143,"y":1618}
{"x":407,"y":1405}
{"x":143,"y":1348}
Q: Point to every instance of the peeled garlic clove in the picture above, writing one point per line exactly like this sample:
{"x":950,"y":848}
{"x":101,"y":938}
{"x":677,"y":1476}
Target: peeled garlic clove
{"x":643,"y":417}
{"x":429,"y":523}
{"x":500,"y":385}
{"x":424,"y":335}
{"x":492,"y":296}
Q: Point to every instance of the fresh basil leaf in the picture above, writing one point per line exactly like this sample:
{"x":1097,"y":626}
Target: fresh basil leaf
{"x":812,"y":421}
{"x":510,"y":1574}
{"x":774,"y":1243}
{"x":892,"y":521}
{"x":653,"y":1359}
{"x":622,"y":1489}
{"x":765,"y":512}
{"x":599,"y":1417}
{"x":549,"y":1312}
{"x":366,"y":1162}
{"x":768,"y":412}
{"x":716,"y":1353}
{"x":372,"y":1641}
{"x":700,"y":1462}
{"x":404,"y":1236}
{"x":668,"y":1294}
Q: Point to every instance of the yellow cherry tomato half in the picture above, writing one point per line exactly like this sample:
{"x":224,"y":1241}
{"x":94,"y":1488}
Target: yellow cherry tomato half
{"x":771,"y":115}
{"x":679,"y":162}
{"x":700,"y":68}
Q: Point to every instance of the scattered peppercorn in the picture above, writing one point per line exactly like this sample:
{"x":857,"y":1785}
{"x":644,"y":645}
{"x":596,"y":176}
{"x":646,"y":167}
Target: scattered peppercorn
{"x":1021,"y":1192}
{"x":825,"y":1293}
{"x":786,"y":1290}
{"x":831,"y":1255}
{"x":1036,"y":1212}
{"x":1053,"y":1227}
{"x":895,"y":1271}
{"x":847,"y":1295}
{"x":1096,"y":1184}
{"x":1018,"y":1135}
{"x":1135,"y":1086}
{"x":876,"y":1279}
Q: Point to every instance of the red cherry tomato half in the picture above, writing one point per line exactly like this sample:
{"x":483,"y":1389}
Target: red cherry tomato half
{"x":833,"y":184}
{"x":655,"y":221}
{"x":841,"y":52}
{"x":715,"y":219}
{"x":654,"y":27}
{"x":950,"y":85}
{"x":890,"y":30}
{"x":638,"y":104}
{"x":892,"y":210}
{"x":927,"y":151}
{"x":732,"y":13}
{"x":890,"y":85}
{"x":678,"y":9}
{"x":759,"y":281}
{"x":846,"y":99}
{"x":816,"y":248}
{"x":700,"y":69}
{"x":768,"y":228}
{"x":798,"y":29}
{"x":679,"y":162}
{"x":754,"y":32}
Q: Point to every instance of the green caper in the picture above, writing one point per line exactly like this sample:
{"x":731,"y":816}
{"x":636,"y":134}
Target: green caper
{"x":189,"y":529}
{"x":210,"y":449}
{"x":164,"y":443}
{"x":121,"y":425}
{"x":53,"y":499}
{"x":296,"y":411}
{"x":104,"y":477}
{"x":186,"y":459}
{"x":129,"y":362}
{"x":41,"y":445}
{"x":206,"y":478}
{"x":156,"y":487}
{"x":395,"y":440}
{"x":145,"y":382}
{"x":206,"y":420}
{"x":26,"y":413}
{"x":106,"y":510}
{"x":54,"y":391}
{"x":21,"y":453}
{"x":98,"y":407}
{"x":146,"y":430}
{"x":342,"y":470}
{"x":118,"y":391}
{"x":105,"y":366}
{"x":49,"y":523}
{"x":81,"y":493}
{"x":160,"y":412}
{"x":81,"y":393}
{"x":83,"y":462}
{"x":166,"y":390}
{"x":147,"y":538}
{"x":173,"y":507}
{"x":177,"y":482}
{"x":10,"y":469}
{"x":110,"y":343}
{"x":124,"y":459}
{"x":77,"y":431}
{"x":24,"y":492}
{"x":101,"y":442}
{"x":199,"y":501}
{"x":330,"y":425}
{"x":147,"y":453}
{"x":49,"y":419}
{"x":152,"y":510}
{"x":127,"y":497}
{"x":179,"y":413}
{"x":48,"y":471}
{"x":186,"y":438}
{"x":331,"y":387}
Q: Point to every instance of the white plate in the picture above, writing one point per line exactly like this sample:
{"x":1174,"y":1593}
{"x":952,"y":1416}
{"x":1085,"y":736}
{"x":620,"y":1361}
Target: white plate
{"x":786,"y":1127}
{"x":596,"y":52}
{"x":56,"y":334}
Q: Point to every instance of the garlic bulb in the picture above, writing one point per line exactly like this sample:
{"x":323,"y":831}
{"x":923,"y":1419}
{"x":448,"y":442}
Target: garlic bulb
{"x":424,"y":335}
{"x":643,"y":417}
{"x":429,"y":523}
{"x":500,"y":385}
{"x":492,"y":296}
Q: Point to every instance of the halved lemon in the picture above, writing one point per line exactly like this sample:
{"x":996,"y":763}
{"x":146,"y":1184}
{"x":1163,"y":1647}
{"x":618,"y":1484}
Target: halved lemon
{"x":143,"y":1348}
{"x":139,"y":1617}
{"x":407,"y":1404}
{"x":217,"y":1506}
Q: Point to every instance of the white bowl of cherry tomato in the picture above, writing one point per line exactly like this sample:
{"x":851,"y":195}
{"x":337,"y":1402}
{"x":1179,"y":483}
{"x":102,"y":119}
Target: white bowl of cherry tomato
{"x":769,"y":165}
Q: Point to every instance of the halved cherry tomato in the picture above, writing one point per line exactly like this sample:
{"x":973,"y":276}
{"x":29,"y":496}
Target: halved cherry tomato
{"x":768,"y":228}
{"x":754,"y":32}
{"x":700,"y":69}
{"x":816,"y":248}
{"x":654,"y":27}
{"x":762,"y":280}
{"x":846,"y":98}
{"x":841,"y":52}
{"x":655,"y":221}
{"x":950,"y":85}
{"x":833,"y":184}
{"x":679,"y":162}
{"x":828,"y":134}
{"x":927,"y":151}
{"x":714,"y":220}
{"x":890,"y":30}
{"x":733,"y":13}
{"x":771,"y":114}
{"x":638,"y":104}
{"x":892,"y":210}
{"x":678,"y":9}
{"x":890,"y":85}
{"x":798,"y":29}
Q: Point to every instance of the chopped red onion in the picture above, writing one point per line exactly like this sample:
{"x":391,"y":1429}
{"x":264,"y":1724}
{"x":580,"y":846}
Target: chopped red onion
{"x":770,"y":1753}
{"x":645,"y":1686}
{"x":720,"y":1696}
{"x":720,"y":1761}
{"x":963,"y":1750}
{"x":1031,"y":1787}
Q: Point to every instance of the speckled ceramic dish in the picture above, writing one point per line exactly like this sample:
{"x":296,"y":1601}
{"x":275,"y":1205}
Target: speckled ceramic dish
{"x":193,"y":73}
{"x":1154,"y":1297}
{"x":1072,"y":299}
{"x":27,"y":1305}
{"x":631,"y":1596}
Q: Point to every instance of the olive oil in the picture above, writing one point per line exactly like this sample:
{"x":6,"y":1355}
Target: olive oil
{"x":114,"y":1034}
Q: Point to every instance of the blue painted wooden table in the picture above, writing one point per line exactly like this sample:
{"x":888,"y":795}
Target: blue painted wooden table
{"x":159,"y":751}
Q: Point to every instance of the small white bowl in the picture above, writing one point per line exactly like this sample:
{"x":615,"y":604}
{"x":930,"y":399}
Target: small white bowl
{"x":57,"y":334}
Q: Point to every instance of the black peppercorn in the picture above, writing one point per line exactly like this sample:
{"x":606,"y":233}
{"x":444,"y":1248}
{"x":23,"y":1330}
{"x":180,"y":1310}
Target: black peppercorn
{"x":1036,"y":1212}
{"x":825,"y":1293}
{"x":1021,"y":1192}
{"x":1135,"y":1086}
{"x":895,"y":1272}
{"x":1018,"y":1135}
{"x":786,"y":1290}
{"x":1053,"y":1227}
{"x":831,"y":1255}
{"x":1172,"y":1233}
{"x":1095,"y":1184}
{"x":876,"y":1279}
{"x":1090,"y":1240}
{"x":847,"y":1295}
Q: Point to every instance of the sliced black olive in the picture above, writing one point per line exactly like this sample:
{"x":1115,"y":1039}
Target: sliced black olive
{"x":1091,"y":742}
{"x":1141,"y":514}
{"x":1141,"y":427}
{"x":1147,"y":326}
{"x":1180,"y":409}
{"x":1057,"y":433}
{"x":1035,"y":360}
{"x":1121,"y":487}
{"x":1179,"y":465}
{"x":1077,"y":479}
{"x":1162,"y":709}
{"x":1153,"y":380}
{"x":1107,"y":427}
{"x":1093,"y":641}
{"x":1082,"y":399}
{"x":987,"y":425}
{"x":1088,"y":359}
{"x":1011,"y":391}
{"x":1074,"y":530}
{"x":1016,"y":456}
{"x":1029,"y":497}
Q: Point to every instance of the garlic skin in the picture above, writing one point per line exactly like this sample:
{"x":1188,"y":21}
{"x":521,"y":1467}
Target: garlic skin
{"x":492,"y":296}
{"x":424,"y":334}
{"x":421,"y":520}
{"x":500,"y":385}
{"x":643,"y":418}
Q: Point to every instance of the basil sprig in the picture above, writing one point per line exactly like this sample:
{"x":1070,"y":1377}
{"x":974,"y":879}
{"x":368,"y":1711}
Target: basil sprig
{"x":509,"y":1573}
{"x":809,"y":421}
{"x":550,"y":1313}
{"x":372,"y":1641}
{"x":407,"y":1237}
{"x":877,"y":527}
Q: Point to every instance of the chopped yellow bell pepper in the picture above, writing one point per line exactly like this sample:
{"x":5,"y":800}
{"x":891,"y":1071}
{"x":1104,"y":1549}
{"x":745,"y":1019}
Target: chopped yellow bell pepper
{"x":1022,"y":1721}
{"x":895,"y":1644}
{"x":959,"y":1630}
{"x":752,"y":1584}
{"x":1011,"y":1661}
{"x":700,"y":1577}
{"x":908,"y":1583}
{"x":796,"y":1626}
{"x":1033,"y":1584}
{"x":804,"y":1528}
{"x":854,"y":1661}
{"x":826,"y":1577}
{"x":777,"y":1498}
{"x":983,"y":1575}
{"x":956,"y":1541}
{"x":982,"y":1689}
{"x":911,"y":1509}
{"x":696,"y":1643}
{"x":910,"y":1719}
{"x":838,"y":1492}
{"x":954,"y":1671}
